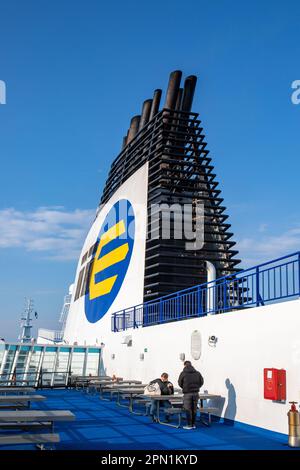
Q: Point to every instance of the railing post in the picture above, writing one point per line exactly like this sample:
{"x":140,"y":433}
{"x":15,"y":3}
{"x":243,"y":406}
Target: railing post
{"x":160,"y":311}
{"x":134,"y":317}
{"x":224,"y":296}
{"x":124,"y":321}
{"x":257,"y":287}
{"x":199,"y":301}
{"x":177,"y":306}
{"x":41,"y":379}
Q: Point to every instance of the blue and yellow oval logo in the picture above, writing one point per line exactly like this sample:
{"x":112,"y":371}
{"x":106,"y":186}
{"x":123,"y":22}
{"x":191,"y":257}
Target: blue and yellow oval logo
{"x":112,"y":258}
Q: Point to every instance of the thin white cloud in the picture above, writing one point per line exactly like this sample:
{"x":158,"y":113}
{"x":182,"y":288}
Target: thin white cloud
{"x":58,"y":234}
{"x":263,"y":228}
{"x":53,"y":231}
{"x":261,"y":248}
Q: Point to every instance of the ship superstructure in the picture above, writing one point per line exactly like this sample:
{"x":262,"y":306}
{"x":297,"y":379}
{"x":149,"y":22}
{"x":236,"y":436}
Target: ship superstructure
{"x":149,"y":301}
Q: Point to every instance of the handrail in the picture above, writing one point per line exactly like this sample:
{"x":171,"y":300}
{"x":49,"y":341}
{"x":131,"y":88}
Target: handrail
{"x":268,"y":282}
{"x":35,"y":378}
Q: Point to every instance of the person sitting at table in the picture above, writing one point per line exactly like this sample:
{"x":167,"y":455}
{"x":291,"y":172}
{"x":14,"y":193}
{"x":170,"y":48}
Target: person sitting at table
{"x":190,"y":380}
{"x":166,"y":388}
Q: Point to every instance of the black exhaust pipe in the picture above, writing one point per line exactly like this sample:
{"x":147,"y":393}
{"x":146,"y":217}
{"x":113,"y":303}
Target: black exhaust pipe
{"x":147,"y":105}
{"x":188,"y":93}
{"x":155,"y":103}
{"x":134,"y":128}
{"x":179,"y":99}
{"x":172,"y":91}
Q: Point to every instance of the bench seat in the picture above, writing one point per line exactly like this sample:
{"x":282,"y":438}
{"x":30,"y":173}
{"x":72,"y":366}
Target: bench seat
{"x":36,"y":415}
{"x":208,"y":410}
{"x":179,"y":410}
{"x":26,"y":425}
{"x":38,"y":439}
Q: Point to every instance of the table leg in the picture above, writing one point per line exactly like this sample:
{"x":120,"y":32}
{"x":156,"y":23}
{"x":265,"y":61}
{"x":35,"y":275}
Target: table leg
{"x":165,"y":423}
{"x":158,"y":412}
{"x":102,"y":397}
{"x":120,"y":404}
{"x":202,"y":421}
{"x":131,"y":407}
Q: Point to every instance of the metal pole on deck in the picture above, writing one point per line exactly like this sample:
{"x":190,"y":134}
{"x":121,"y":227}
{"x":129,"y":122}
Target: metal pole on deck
{"x":211,"y":287}
{"x":257,"y":287}
{"x":124,"y":321}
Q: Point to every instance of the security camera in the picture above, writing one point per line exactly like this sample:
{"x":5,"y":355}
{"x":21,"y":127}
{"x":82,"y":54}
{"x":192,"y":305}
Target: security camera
{"x":212,"y":340}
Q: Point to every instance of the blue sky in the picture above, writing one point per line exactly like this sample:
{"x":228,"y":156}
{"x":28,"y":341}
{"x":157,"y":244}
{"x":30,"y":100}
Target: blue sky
{"x":76,"y":71}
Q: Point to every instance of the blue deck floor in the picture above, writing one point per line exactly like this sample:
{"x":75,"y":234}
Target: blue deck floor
{"x":104,"y":425}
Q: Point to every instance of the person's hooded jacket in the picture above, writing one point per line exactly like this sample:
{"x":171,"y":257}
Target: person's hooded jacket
{"x":190,"y":380}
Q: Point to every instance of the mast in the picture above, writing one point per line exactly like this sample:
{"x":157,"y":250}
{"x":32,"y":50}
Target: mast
{"x":26,"y":320}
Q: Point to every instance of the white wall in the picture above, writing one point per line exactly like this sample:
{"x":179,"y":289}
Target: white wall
{"x":248,"y":341}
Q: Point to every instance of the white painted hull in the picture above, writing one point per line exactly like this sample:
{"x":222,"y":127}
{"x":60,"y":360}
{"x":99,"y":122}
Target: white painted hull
{"x":247,"y":342}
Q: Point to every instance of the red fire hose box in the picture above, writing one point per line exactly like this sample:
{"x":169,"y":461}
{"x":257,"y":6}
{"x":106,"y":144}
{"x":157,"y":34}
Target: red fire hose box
{"x":275,"y":384}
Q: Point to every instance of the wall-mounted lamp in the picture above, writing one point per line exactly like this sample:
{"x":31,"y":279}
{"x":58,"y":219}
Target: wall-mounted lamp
{"x":127,"y":340}
{"x":182,"y":356}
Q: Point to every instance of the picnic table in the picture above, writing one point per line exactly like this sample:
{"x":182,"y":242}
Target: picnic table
{"x":17,"y":401}
{"x":177,"y":399}
{"x":96,"y":384}
{"x":17,"y":419}
{"x":131,"y":392}
{"x":25,"y":438}
{"x":112,"y":387}
{"x":86,"y":381}
{"x":125,"y":383}
{"x":31,"y":419}
{"x":101,"y":377}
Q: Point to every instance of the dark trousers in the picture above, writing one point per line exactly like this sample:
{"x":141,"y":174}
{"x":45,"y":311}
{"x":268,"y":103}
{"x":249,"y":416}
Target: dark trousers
{"x":190,"y":401}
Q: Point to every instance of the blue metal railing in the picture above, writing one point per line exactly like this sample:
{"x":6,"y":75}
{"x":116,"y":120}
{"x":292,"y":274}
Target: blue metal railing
{"x":266,"y":283}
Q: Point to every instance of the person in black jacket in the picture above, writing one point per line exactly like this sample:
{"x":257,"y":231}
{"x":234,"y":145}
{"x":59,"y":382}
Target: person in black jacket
{"x":166,"y":388}
{"x":190,"y":380}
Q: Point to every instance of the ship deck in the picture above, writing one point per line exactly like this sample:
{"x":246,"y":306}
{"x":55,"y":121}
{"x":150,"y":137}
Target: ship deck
{"x":102,"y":425}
